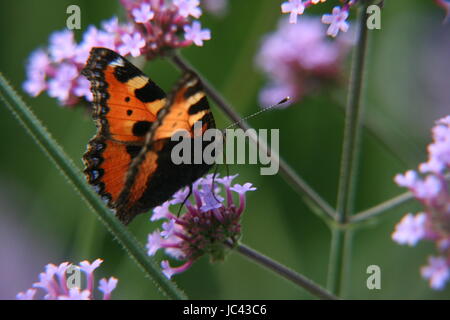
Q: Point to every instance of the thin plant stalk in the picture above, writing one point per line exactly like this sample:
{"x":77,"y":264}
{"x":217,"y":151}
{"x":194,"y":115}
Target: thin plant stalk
{"x":288,"y":274}
{"x":350,"y":157}
{"x":382,"y":208}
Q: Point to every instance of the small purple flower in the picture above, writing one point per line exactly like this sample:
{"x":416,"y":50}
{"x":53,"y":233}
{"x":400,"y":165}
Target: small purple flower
{"x":112,"y":25}
{"x":27,"y":295}
{"x":410,"y":229}
{"x":227,"y":180}
{"x":204,"y":228}
{"x":298,"y":60}
{"x":53,"y":281}
{"x":170,"y":271}
{"x":143,"y":14}
{"x":196,"y":34}
{"x":294,"y":7}
{"x":188,"y":8}
{"x":241,"y":190}
{"x":61,"y":85}
{"x":154,"y":243}
{"x":439,"y":150}
{"x":76,"y":294}
{"x":34,"y":85}
{"x":437,"y":272}
{"x":132,"y":44}
{"x":107,"y":286}
{"x":168,"y":228}
{"x":429,"y":188}
{"x":88,"y":267}
{"x":83,"y":88}
{"x":432,"y":191}
{"x":62,"y":45}
{"x":210,"y":200}
{"x":37,"y":68}
{"x":407,"y":180}
{"x":336,"y":20}
{"x":162,"y":211}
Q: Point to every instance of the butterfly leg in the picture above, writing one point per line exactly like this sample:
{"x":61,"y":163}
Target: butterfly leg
{"x":213,"y":183}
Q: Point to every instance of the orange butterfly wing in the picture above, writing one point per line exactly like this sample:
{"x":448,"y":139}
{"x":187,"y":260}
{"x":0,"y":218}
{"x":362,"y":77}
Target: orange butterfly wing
{"x":125,"y":106}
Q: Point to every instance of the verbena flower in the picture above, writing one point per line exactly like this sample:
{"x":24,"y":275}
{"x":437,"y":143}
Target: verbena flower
{"x":299,"y":59}
{"x":430,"y":187}
{"x":55,"y":284}
{"x":336,"y":20}
{"x":155,"y":26}
{"x":205,"y":226}
{"x":165,"y":24}
{"x":57,"y":67}
{"x":196,"y":34}
{"x":294,"y":7}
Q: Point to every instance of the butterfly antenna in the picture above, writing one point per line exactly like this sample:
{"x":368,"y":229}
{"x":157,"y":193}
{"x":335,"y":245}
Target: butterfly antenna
{"x":184,"y":201}
{"x":260,"y":111}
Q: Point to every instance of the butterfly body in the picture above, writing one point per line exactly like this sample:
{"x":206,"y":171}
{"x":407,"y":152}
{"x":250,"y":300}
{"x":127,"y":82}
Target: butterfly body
{"x":128,"y":161}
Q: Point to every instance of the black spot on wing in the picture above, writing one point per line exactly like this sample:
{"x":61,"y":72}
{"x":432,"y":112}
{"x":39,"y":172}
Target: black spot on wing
{"x":133,"y":151}
{"x":140,"y":128}
{"x":150,"y":92}
{"x":127,"y":72}
{"x":190,"y":91}
{"x":207,"y":119}
{"x":201,"y":105}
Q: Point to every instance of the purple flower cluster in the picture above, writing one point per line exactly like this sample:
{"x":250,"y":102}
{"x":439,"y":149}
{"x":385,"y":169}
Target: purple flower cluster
{"x":160,"y":23}
{"x":204,"y":228}
{"x":431,"y":189}
{"x":298,"y":59}
{"x":337,"y":20}
{"x":156,"y":26}
{"x":56,"y":285}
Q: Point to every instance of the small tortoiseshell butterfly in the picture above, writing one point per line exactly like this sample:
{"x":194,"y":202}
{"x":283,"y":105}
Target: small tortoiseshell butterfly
{"x":128,"y":161}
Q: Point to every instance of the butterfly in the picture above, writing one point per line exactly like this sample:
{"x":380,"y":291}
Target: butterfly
{"x":128,"y":161}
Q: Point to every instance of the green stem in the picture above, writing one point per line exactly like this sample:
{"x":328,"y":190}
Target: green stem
{"x":336,"y":259}
{"x":316,"y":203}
{"x":283,"y":271}
{"x":381,"y":208}
{"x":384,"y":207}
{"x":350,"y":156}
{"x":136,"y":251}
{"x":352,"y":130}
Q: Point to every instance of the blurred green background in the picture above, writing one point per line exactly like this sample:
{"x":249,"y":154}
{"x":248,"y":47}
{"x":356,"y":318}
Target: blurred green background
{"x":44,"y":220}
